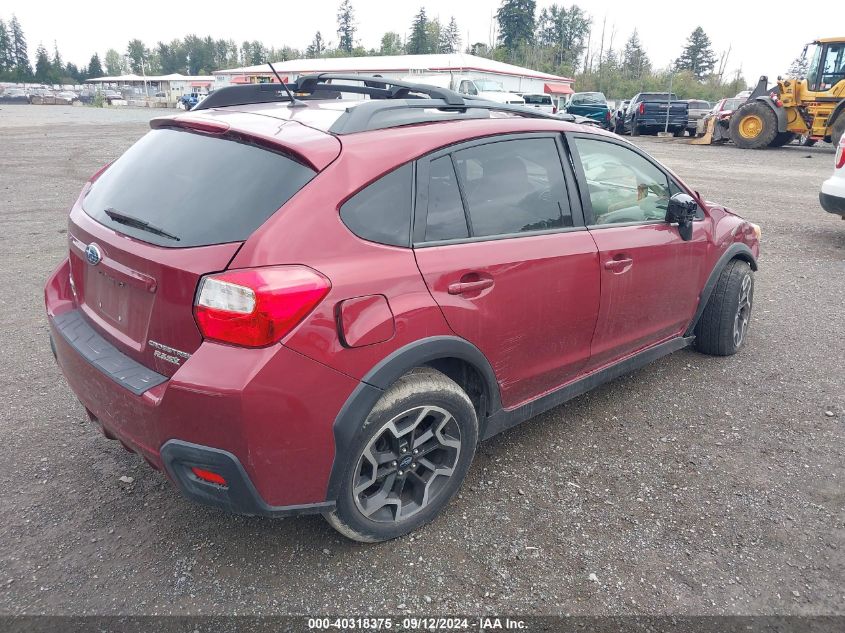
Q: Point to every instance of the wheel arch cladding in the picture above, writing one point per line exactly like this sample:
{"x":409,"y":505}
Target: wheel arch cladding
{"x":456,"y":357}
{"x":736,"y":250}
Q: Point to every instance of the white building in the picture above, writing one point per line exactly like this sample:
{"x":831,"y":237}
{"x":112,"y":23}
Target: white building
{"x":513,"y":78}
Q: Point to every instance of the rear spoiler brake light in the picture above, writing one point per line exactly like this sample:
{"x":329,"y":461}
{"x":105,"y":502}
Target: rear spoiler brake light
{"x":219,"y":128}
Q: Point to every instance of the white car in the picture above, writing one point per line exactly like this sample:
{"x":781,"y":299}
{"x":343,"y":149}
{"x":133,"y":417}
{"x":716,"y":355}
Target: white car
{"x":541,"y":102}
{"x":832,"y":196}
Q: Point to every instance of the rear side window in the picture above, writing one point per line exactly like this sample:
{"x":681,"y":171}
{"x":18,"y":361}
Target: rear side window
{"x":514,"y":187}
{"x":381,"y":212}
{"x":176,"y":188}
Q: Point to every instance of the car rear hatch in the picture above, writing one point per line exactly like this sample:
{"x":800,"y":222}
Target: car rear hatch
{"x":176,"y":206}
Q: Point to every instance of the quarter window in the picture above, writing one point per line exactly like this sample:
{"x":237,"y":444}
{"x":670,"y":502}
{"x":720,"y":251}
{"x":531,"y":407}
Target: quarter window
{"x":381,"y":212}
{"x":513,"y":187}
{"x":623,"y":186}
{"x":446,"y":219}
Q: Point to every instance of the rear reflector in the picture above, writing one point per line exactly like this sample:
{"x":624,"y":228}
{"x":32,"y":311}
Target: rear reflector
{"x":840,"y":154}
{"x":207,"y":475}
{"x":256,"y":307}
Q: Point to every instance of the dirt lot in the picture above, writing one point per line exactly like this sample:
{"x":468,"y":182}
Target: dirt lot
{"x":695,"y":486}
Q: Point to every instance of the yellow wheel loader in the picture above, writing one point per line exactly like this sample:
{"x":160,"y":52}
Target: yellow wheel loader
{"x":812,"y":107}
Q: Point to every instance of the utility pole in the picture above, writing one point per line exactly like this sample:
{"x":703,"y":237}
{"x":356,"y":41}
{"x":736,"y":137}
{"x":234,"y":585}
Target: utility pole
{"x":669,"y":100}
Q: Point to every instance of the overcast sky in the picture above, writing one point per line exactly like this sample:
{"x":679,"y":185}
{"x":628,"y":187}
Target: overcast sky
{"x":762,"y":41}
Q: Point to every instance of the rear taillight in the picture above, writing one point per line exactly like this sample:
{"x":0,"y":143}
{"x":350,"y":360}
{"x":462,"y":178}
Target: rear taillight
{"x":840,"y":154}
{"x":554,"y":109}
{"x":257,"y":306}
{"x":642,"y":108}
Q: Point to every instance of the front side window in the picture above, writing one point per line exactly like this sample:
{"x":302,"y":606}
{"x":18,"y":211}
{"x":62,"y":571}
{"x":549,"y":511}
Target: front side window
{"x":834,"y":66}
{"x":381,"y":212}
{"x":513,"y":187}
{"x":623,"y":186}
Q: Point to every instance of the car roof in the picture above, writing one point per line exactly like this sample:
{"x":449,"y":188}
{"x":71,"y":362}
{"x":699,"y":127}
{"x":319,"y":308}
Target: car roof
{"x":305,"y":128}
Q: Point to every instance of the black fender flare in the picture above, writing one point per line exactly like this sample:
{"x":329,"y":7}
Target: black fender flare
{"x":737,"y":250}
{"x":780,"y":113}
{"x":348,"y":422}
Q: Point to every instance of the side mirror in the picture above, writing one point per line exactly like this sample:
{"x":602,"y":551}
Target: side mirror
{"x":681,"y":209}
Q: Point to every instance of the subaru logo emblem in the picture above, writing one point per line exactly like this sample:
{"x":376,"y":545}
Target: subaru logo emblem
{"x":93,"y":254}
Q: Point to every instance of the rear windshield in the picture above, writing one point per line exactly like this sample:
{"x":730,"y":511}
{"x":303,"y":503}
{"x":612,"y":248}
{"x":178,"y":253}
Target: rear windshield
{"x":177,"y":188}
{"x":589,"y":98}
{"x":699,"y":105}
{"x":537,"y":99}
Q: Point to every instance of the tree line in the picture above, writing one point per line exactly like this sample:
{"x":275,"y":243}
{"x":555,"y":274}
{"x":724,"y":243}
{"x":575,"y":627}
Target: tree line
{"x":558,"y":39}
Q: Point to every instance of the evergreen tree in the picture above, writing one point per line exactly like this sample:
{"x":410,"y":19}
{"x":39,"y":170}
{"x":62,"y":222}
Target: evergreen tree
{"x":316,"y":47}
{"x":57,"y":63}
{"x":450,"y":38}
{"x":6,"y":63}
{"x":43,"y":67}
{"x":418,"y":43}
{"x":391,"y":44}
{"x":697,"y":56}
{"x":635,"y":62}
{"x":71,"y":71}
{"x":346,"y":27}
{"x":516,"y":23}
{"x":95,"y":68}
{"x":22,"y":70}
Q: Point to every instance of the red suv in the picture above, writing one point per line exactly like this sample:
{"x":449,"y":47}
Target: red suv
{"x":308,"y":304}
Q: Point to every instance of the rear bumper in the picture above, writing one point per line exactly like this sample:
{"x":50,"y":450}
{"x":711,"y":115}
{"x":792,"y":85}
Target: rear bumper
{"x":265,"y":415}
{"x":832,"y":196}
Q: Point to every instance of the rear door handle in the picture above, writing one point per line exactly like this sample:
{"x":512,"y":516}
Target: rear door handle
{"x":460,"y":287}
{"x":619,"y":265}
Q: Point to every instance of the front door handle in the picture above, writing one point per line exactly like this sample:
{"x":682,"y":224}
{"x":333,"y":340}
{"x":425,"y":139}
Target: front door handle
{"x":461,"y":287}
{"x":619,"y":264}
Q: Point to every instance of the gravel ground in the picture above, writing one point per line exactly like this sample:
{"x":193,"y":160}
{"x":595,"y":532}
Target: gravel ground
{"x":697,"y":485}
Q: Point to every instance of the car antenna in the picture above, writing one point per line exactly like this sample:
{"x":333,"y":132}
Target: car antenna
{"x":293,"y":100}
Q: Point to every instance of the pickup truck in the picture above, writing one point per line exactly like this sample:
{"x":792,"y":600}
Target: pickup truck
{"x":647,"y":113}
{"x":698,"y":109}
{"x":592,"y":105}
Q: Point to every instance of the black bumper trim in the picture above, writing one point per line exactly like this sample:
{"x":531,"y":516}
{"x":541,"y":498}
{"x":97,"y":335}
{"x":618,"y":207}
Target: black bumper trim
{"x":239,"y":496}
{"x":832,"y":204}
{"x":125,"y":371}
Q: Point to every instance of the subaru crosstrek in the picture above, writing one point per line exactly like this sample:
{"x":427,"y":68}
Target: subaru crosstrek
{"x":295,"y":304}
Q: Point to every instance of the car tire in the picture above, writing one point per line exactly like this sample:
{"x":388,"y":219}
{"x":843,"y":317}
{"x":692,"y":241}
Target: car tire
{"x":678,"y":132}
{"x":422,"y":403}
{"x":753,"y":126}
{"x":635,"y":128}
{"x":723,"y":326}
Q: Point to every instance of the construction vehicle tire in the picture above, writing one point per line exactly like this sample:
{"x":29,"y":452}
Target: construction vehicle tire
{"x":754,"y":126}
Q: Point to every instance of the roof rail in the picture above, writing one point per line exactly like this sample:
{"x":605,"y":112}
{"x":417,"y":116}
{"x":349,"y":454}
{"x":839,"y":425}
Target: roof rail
{"x":392,"y":103}
{"x":377,"y":115}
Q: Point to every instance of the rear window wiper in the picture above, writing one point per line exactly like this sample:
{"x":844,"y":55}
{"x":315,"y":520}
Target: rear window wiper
{"x":137,"y":223}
